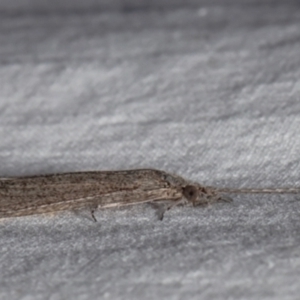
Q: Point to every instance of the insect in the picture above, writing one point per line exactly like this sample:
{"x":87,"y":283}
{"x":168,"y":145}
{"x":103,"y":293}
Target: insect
{"x":22,"y":196}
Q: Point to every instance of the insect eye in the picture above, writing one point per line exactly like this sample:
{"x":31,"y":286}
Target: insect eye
{"x":190,"y":192}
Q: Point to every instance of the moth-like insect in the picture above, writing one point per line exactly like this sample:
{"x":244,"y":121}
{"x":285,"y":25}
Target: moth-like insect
{"x":22,"y":196}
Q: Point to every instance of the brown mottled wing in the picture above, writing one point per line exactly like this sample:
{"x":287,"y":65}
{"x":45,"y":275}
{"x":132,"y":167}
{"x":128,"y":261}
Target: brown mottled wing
{"x":40,"y":194}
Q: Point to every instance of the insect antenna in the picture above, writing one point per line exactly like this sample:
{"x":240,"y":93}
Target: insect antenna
{"x":260,"y":191}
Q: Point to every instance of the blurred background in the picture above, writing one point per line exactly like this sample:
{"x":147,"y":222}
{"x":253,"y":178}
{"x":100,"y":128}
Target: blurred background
{"x":208,"y":90}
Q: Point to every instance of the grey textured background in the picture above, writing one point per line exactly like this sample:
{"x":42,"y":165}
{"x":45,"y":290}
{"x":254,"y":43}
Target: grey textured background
{"x":209,"y":90}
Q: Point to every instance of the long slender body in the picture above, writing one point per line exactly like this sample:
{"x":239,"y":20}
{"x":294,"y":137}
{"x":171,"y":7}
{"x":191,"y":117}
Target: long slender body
{"x":71,"y":191}
{"x":41,"y":194}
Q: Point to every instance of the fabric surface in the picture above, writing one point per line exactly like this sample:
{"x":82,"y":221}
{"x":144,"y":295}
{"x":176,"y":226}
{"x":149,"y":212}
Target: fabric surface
{"x":207,"y":90}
